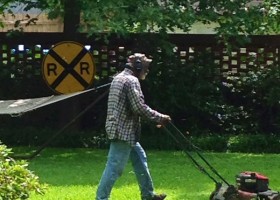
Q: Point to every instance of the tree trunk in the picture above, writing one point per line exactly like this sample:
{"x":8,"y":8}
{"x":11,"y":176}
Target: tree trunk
{"x":71,"y":16}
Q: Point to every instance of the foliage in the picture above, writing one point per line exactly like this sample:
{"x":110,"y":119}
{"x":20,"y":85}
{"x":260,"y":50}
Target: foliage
{"x":16,"y":181}
{"x":241,"y":17}
{"x":152,"y":138}
{"x":8,"y":7}
{"x":189,"y":91}
{"x":214,"y":143}
{"x":36,"y":136}
{"x":126,"y":16}
{"x":257,"y":93}
{"x":254,"y":143}
{"x":200,"y":102}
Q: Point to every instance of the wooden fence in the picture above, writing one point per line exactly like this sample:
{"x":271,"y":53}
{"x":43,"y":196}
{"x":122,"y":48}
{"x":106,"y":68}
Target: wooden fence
{"x":21,"y":58}
{"x":21,"y":54}
{"x":43,"y":23}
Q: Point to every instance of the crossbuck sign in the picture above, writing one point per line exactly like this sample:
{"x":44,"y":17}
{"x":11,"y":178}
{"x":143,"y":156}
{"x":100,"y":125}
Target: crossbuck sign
{"x":68,"y":67}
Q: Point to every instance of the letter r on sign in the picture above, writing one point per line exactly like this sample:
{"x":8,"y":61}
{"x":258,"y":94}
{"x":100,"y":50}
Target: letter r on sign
{"x":84,"y":66}
{"x":51,"y":67}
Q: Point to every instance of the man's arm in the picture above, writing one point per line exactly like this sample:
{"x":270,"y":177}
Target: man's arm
{"x":138,"y":105}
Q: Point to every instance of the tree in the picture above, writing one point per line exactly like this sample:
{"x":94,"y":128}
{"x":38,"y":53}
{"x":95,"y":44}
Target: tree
{"x":232,"y":17}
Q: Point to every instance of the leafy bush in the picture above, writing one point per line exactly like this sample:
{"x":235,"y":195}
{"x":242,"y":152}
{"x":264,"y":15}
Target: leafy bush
{"x":254,"y":143}
{"x":188,"y":91}
{"x":258,"y":94}
{"x":16,"y":181}
{"x":34,"y":136}
{"x":216,"y":143}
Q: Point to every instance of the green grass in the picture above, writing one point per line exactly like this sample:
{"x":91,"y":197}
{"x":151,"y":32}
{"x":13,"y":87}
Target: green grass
{"x":73,"y":174}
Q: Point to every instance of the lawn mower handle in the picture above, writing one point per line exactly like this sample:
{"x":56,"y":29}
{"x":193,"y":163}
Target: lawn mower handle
{"x":181,"y":142}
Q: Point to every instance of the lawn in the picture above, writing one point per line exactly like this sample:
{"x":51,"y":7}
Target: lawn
{"x":73,"y":174}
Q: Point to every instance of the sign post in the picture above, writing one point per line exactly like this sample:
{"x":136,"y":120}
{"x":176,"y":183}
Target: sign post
{"x":68,"y":67}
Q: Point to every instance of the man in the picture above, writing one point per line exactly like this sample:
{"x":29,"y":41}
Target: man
{"x":125,"y":107}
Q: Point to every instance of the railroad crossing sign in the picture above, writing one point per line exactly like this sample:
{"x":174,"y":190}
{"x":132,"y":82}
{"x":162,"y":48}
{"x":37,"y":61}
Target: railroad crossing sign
{"x":68,"y":67}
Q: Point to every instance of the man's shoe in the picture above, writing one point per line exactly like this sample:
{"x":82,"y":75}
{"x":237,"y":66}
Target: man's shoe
{"x":159,"y":197}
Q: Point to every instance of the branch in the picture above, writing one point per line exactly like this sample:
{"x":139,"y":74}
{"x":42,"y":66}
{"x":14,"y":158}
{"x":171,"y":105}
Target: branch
{"x":3,"y":6}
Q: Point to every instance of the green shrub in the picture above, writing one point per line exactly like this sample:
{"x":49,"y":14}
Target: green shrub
{"x":259,"y":143}
{"x":188,"y":91}
{"x":257,"y":93}
{"x":216,"y":143}
{"x":33,"y":136}
{"x":16,"y":181}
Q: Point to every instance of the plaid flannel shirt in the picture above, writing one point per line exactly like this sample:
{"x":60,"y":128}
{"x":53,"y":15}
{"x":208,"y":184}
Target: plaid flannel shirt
{"x":125,"y":107}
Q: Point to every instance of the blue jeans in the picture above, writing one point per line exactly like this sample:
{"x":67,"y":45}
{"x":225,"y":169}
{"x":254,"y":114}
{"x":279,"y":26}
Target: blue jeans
{"x":118,"y":156}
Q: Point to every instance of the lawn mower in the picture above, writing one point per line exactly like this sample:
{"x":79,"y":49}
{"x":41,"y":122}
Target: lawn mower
{"x":249,"y":185}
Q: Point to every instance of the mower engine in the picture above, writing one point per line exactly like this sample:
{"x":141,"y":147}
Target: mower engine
{"x":250,"y":185}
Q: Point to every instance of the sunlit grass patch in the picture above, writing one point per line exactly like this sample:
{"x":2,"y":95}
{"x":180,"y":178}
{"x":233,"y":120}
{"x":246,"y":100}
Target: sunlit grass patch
{"x":73,"y":174}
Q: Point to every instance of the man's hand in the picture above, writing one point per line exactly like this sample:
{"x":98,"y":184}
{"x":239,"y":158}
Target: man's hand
{"x":165,"y":119}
